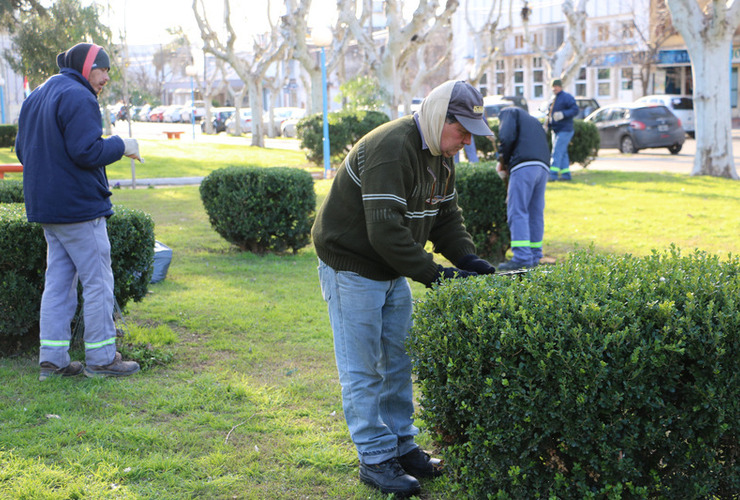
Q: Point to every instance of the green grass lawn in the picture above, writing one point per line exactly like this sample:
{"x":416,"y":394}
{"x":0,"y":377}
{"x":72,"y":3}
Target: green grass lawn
{"x":249,"y":405}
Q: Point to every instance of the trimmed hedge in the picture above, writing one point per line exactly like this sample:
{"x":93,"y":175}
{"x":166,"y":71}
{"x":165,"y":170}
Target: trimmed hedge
{"x":23,"y":264}
{"x":482,"y":198}
{"x":583,"y":148}
{"x":11,"y":191}
{"x":603,"y":377}
{"x":7,"y":135}
{"x":345,"y":129}
{"x":260,"y":209}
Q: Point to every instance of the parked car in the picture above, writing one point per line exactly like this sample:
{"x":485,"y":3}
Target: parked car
{"x":587,"y":105}
{"x":200,"y":111}
{"x":283,"y":114}
{"x":632,"y":127}
{"x":173,"y":114}
{"x":218,"y":119}
{"x":155,"y":115}
{"x":493,"y":108}
{"x":516,"y":100}
{"x":245,"y":115}
{"x":681,"y":105}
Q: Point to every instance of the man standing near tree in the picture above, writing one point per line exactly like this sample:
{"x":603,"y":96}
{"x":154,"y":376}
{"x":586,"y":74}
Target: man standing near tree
{"x":65,"y":186}
{"x":563,"y":109}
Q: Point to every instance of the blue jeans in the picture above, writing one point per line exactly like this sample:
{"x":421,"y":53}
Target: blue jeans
{"x":77,"y":251}
{"x":370,"y":321}
{"x":560,"y":162}
{"x":525,"y":211}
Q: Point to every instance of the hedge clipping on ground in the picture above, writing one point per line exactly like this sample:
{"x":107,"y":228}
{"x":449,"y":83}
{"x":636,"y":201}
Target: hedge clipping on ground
{"x":261,"y":209}
{"x":602,"y":377}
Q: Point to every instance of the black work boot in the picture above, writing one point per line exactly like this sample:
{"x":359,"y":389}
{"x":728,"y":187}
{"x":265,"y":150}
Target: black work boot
{"x":389,"y":477}
{"x":51,"y":370}
{"x":418,"y":463}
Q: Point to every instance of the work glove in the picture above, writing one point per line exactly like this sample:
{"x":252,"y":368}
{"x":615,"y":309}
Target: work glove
{"x":501,"y":171}
{"x":131,"y":149}
{"x":557,"y":116}
{"x":448,"y":273}
{"x":473,"y":263}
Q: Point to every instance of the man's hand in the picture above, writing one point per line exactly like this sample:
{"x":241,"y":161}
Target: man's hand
{"x":501,"y":171}
{"x":131,"y":149}
{"x":557,"y":116}
{"x":448,"y":273}
{"x":475,"y":264}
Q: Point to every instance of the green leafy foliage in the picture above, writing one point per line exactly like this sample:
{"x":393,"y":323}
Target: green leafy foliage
{"x":260,"y":209}
{"x":39,"y":38}
{"x":482,"y":197}
{"x":345,"y":129}
{"x":23,"y":263}
{"x":361,"y":93}
{"x":7,"y":135}
{"x":603,"y":377}
{"x":11,"y":191}
{"x":583,"y":148}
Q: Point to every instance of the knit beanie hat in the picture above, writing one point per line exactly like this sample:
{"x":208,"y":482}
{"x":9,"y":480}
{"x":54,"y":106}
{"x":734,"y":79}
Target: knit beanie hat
{"x":84,"y":57}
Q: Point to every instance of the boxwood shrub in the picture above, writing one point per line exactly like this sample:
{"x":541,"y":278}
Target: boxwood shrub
{"x":260,"y":209}
{"x":11,"y":191}
{"x":23,"y":264}
{"x":345,"y":128}
{"x":583,"y":148}
{"x":482,"y":197}
{"x":603,"y":377}
{"x":7,"y":135}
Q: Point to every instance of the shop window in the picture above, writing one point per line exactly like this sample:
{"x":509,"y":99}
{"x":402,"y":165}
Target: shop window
{"x":603,"y":82}
{"x":625,"y":76}
{"x":538,"y":78}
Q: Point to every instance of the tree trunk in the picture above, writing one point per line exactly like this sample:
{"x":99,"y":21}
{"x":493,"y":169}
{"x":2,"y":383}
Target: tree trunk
{"x":711,"y":72}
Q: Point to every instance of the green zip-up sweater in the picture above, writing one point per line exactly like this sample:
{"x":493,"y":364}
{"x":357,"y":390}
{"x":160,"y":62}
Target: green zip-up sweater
{"x":384,"y":205}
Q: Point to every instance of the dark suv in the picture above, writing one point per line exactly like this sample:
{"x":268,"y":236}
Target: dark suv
{"x":632,"y":127}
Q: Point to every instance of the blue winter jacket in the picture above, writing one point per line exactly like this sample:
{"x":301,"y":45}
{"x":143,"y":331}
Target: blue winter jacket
{"x":63,"y":153}
{"x":567,"y":104}
{"x":521,"y":139}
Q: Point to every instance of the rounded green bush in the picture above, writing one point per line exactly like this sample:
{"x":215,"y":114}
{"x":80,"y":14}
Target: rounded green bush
{"x":260,"y":209}
{"x":345,"y":128}
{"x":602,"y":377}
{"x":482,"y":198}
{"x":11,"y":191}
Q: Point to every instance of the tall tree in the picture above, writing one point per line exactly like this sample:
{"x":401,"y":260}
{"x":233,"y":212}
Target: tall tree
{"x":487,"y":38}
{"x":652,"y":35}
{"x":707,"y":28}
{"x":38,"y":39}
{"x":566,"y":61}
{"x":267,"y":50}
{"x":388,"y":56}
{"x":10,"y":11}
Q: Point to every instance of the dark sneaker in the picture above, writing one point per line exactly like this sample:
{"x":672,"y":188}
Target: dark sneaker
{"x":510,"y":265}
{"x":418,"y":463}
{"x":118,"y":368}
{"x":389,"y":477}
{"x":51,"y":370}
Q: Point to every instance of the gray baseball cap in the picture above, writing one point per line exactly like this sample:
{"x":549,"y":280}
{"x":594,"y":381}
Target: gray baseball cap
{"x":466,"y":104}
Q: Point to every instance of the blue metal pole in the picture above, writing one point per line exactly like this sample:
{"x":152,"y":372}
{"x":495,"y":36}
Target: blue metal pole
{"x":192,"y":104}
{"x":327,"y":163}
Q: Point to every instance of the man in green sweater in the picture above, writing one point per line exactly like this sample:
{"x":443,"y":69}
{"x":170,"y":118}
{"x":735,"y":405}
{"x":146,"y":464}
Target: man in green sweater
{"x":394,"y":192}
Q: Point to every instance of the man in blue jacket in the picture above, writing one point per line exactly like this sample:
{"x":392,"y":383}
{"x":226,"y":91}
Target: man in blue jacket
{"x":524,"y":157}
{"x":64,"y":155}
{"x":560,"y":121}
